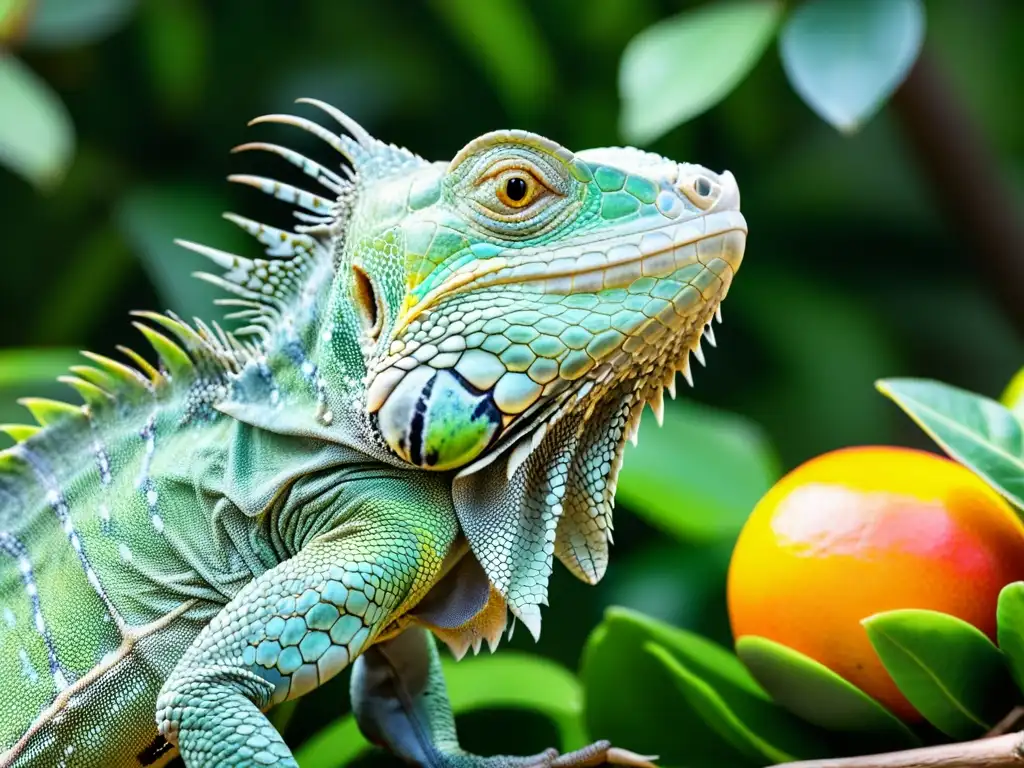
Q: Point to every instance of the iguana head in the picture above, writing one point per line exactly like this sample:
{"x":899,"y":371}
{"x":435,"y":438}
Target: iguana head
{"x":521,"y":283}
{"x":503,"y":317}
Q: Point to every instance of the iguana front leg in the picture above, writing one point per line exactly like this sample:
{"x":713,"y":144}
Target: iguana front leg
{"x":295,"y":627}
{"x":401,"y":703}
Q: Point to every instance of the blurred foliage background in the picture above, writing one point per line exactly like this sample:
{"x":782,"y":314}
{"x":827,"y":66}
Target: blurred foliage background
{"x":859,"y":264}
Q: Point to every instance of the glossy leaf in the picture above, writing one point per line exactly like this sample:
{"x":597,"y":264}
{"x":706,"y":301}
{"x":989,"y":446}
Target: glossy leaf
{"x":631,"y":700}
{"x":14,"y":16}
{"x":948,"y":669}
{"x":846,"y":57}
{"x":1010,"y":629}
{"x":976,"y":431}
{"x":508,"y":680}
{"x":682,"y":66}
{"x":815,"y":693}
{"x":36,"y":135}
{"x":714,"y":710}
{"x":1013,"y":395}
{"x":58,"y":23}
{"x":699,"y":475}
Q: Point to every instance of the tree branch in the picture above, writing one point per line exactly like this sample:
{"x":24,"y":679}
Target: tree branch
{"x":998,"y":752}
{"x":966,"y":180}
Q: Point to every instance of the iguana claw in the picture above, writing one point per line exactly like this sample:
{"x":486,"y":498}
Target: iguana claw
{"x":600,"y":753}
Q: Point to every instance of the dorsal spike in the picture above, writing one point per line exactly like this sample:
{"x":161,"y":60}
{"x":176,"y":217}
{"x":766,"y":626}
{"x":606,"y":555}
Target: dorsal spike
{"x":278,"y":242}
{"x":359,"y":133}
{"x":173,"y":357}
{"x":286,"y":192}
{"x":325,"y":176}
{"x":253,"y":330}
{"x":229,"y":261}
{"x":128,"y":378}
{"x":185,"y":333}
{"x":244,"y":314}
{"x":313,"y":219}
{"x":93,"y":396}
{"x":155,"y":377}
{"x":19,"y":432}
{"x":239,"y":303}
{"x":234,"y":288}
{"x":47,"y":412}
{"x":319,"y":131}
{"x":101,"y":379}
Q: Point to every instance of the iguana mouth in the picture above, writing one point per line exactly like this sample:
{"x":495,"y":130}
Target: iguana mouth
{"x":590,"y":268}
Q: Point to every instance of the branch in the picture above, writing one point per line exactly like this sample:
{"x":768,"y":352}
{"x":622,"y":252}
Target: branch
{"x":966,"y":181}
{"x":997,"y":752}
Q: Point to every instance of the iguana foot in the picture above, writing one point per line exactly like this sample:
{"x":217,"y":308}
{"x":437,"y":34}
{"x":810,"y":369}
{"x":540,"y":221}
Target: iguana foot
{"x":601,"y":753}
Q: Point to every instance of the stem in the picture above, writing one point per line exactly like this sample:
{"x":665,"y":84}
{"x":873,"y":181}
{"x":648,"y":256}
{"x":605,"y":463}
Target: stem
{"x":996,"y":752}
{"x":965,"y":178}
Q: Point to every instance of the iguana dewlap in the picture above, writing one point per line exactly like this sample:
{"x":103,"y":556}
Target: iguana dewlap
{"x":426,"y":403}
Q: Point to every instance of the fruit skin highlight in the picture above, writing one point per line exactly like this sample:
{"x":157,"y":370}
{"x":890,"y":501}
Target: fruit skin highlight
{"x":862,"y":530}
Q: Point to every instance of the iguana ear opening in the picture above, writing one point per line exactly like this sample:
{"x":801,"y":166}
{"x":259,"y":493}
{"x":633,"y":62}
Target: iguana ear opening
{"x":367,"y":302}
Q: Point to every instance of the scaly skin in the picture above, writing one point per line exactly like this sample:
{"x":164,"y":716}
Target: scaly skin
{"x":446,"y":360}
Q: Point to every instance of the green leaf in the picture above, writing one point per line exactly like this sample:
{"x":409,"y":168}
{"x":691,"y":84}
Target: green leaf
{"x":682,"y":66}
{"x":947,"y":668}
{"x":700,"y":474}
{"x":812,"y":691}
{"x":846,"y":57}
{"x":714,"y":710}
{"x":1010,"y":629}
{"x":14,"y":15}
{"x":632,"y":701}
{"x":509,"y":680}
{"x":36,"y":134}
{"x":516,"y":59}
{"x":152,"y":218}
{"x":59,"y":23}
{"x":1013,"y":395}
{"x":976,"y":431}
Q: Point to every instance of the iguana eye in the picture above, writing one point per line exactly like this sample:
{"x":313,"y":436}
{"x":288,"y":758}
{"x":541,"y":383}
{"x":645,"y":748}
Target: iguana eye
{"x":518,"y":189}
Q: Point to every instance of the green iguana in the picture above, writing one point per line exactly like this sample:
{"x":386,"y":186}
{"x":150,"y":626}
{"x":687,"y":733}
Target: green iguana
{"x":428,"y":401}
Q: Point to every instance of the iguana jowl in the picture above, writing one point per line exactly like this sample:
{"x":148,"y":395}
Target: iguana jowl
{"x":441,"y":365}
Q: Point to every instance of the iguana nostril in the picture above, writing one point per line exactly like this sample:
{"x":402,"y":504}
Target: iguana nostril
{"x":702,"y":186}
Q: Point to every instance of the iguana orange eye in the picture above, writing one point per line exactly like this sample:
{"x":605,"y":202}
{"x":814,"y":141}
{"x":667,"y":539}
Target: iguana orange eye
{"x":518,"y":189}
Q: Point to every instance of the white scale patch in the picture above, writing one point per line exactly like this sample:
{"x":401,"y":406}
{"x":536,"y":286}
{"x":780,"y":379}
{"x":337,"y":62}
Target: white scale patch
{"x":11,"y":546}
{"x":103,"y":462}
{"x":124,"y":552}
{"x":26,"y":666}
